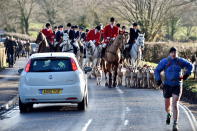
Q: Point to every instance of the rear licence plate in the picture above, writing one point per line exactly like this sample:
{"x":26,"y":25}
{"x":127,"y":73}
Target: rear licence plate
{"x":52,"y":91}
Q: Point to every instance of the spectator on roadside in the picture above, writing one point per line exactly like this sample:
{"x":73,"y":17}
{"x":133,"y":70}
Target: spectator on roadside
{"x":10,"y":50}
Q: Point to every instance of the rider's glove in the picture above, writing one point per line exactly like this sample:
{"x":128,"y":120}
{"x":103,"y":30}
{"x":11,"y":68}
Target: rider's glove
{"x":104,"y":45}
{"x":159,"y":82}
{"x":185,"y":77}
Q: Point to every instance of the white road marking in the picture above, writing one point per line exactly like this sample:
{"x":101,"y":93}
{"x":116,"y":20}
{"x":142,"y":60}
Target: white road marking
{"x":128,"y":109}
{"x":190,"y":120}
{"x":119,"y":90}
{"x":191,"y":114}
{"x":126,"y":122}
{"x":87,"y":125}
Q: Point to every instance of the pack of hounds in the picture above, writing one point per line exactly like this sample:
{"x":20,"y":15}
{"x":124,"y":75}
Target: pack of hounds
{"x":137,"y":77}
{"x":132,"y":77}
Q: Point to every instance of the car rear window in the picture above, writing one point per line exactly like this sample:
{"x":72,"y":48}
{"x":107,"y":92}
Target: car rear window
{"x":51,"y":65}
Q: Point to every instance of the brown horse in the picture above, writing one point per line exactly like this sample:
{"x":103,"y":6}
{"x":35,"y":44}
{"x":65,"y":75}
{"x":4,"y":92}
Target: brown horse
{"x":43,"y":43}
{"x":112,"y":59}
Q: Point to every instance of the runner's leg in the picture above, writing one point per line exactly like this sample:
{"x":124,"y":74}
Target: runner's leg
{"x":168,"y":102}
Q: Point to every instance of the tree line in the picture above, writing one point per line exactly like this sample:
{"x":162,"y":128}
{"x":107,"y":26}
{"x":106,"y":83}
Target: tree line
{"x":157,"y":18}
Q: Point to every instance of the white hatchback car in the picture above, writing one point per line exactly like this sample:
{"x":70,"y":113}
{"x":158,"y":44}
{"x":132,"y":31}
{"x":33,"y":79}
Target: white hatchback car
{"x":53,"y":78}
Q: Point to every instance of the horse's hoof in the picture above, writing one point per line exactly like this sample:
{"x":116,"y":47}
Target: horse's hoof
{"x":106,"y":84}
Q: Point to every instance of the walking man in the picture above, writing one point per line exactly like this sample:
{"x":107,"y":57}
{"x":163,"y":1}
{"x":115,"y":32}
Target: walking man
{"x":172,"y":86}
{"x":10,"y":51}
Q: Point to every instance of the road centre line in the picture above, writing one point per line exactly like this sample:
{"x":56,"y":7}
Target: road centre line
{"x":87,"y":125}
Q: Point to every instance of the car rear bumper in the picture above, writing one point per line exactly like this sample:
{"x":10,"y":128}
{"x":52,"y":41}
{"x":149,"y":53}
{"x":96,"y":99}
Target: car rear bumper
{"x":70,"y":94}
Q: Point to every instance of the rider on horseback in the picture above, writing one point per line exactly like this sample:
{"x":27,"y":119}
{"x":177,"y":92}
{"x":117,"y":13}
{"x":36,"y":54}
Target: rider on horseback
{"x":59,"y":37}
{"x":110,"y":33}
{"x":82,"y":34}
{"x":134,"y":32}
{"x":73,"y":36}
{"x":68,"y":28}
{"x":123,"y":31}
{"x":94,"y":35}
{"x":48,"y":32}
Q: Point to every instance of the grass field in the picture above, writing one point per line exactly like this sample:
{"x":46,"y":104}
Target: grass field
{"x":182,"y":31}
{"x":35,"y":28}
{"x":191,"y":84}
{"x":149,"y":63}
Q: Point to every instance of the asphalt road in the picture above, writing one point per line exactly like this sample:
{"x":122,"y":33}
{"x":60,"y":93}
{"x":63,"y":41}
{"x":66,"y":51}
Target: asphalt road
{"x":119,"y":109}
{"x":9,"y":82}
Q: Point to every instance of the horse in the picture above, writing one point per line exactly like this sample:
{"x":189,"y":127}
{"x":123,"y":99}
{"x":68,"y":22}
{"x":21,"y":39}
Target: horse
{"x":43,"y":43}
{"x":81,"y":53}
{"x":68,"y":47}
{"x":136,"y":51}
{"x":111,"y":60}
{"x":65,"y":45}
{"x":93,"y":54}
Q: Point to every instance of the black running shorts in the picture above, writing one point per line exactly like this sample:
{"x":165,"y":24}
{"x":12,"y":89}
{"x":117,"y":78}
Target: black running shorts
{"x":169,"y":90}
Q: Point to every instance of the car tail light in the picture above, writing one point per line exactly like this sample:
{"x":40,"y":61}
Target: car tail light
{"x":74,"y":65}
{"x":27,"y":68}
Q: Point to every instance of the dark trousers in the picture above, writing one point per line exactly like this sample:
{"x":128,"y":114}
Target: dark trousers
{"x":103,"y":52}
{"x":75,"y":48}
{"x":84,"y":52}
{"x":10,"y":57}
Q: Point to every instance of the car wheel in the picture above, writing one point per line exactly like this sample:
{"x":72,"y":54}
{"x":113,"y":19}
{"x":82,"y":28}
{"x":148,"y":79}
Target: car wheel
{"x":25,"y":107}
{"x":83,"y":105}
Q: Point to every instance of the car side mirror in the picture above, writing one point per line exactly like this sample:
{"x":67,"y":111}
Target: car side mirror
{"x":87,"y":69}
{"x":20,"y":71}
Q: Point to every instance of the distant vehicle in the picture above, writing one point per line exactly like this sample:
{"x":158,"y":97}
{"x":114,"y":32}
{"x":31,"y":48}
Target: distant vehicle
{"x":53,"y":78}
{"x":34,"y":48}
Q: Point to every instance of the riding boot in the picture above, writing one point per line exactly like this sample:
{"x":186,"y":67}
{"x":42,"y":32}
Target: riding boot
{"x":103,"y":52}
{"x":130,"y":46}
{"x":84,"y":53}
{"x":74,"y":48}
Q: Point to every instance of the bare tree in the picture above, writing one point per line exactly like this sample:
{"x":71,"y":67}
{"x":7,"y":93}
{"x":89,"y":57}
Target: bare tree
{"x":25,"y":8}
{"x":8,"y":17}
{"x":173,"y":25}
{"x":151,"y":14}
{"x":52,"y":10}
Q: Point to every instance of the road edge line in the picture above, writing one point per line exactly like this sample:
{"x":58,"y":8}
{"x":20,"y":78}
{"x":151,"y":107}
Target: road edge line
{"x":189,"y":117}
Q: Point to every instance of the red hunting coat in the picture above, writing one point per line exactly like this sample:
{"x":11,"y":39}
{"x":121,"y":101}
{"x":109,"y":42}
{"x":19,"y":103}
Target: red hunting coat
{"x":110,"y":32}
{"x":49,"y":34}
{"x":92,"y":36}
